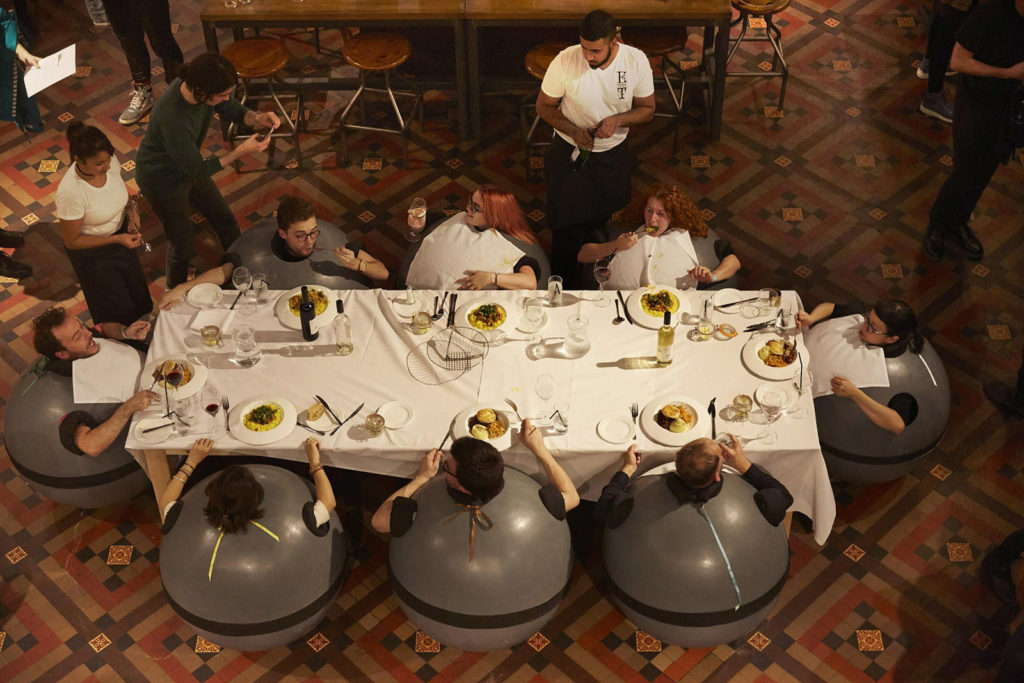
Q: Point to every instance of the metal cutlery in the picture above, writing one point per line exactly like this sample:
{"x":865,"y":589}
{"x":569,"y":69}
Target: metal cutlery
{"x":153,"y":429}
{"x":618,"y":319}
{"x":714,"y":415}
{"x":515,"y":408}
{"x":225,"y":405}
{"x":240,"y":295}
{"x":624,"y":309}
{"x":736,"y":303}
{"x":634,"y":410}
{"x":439,"y":313}
{"x":447,"y":436}
{"x":434,"y":314}
{"x":312,"y":429}
{"x":322,"y":402}
{"x":759,"y":326}
{"x":350,"y":416}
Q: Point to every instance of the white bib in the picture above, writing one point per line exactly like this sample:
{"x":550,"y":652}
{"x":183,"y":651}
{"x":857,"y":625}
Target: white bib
{"x":836,"y":349}
{"x":664,"y":260}
{"x":107,"y":376}
{"x":455,"y":247}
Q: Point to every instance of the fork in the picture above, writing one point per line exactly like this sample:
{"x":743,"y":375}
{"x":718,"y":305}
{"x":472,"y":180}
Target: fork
{"x":515,"y":408}
{"x":634,"y":410}
{"x":312,"y":429}
{"x":440,"y":311}
{"x":225,"y":405}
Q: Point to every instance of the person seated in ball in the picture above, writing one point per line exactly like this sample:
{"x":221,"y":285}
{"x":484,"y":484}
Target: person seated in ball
{"x":74,"y":350}
{"x":474,"y":475}
{"x":660,"y":238}
{"x":483,"y":247}
{"x":234,"y":496}
{"x":698,"y":468}
{"x":890,"y":325}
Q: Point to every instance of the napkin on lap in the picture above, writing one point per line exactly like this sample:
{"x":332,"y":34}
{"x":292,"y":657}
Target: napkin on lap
{"x":221,"y":317}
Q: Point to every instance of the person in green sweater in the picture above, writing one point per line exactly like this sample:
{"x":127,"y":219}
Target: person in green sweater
{"x":171,"y":169}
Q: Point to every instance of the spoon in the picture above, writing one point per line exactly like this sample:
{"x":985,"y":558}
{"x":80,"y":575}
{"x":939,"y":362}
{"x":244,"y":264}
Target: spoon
{"x":618,"y":315}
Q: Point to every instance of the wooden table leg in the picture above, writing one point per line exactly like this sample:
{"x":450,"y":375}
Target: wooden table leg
{"x":718,"y":86}
{"x":159,"y":472}
{"x":210,"y":36}
{"x":462,"y":91}
{"x":473,"y":87}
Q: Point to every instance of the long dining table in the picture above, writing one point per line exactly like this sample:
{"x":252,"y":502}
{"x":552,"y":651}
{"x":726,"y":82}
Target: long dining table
{"x":390,"y":362}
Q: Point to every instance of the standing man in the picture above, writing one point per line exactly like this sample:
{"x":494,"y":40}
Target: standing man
{"x":591,"y":94}
{"x":133,"y":21}
{"x":988,"y":118}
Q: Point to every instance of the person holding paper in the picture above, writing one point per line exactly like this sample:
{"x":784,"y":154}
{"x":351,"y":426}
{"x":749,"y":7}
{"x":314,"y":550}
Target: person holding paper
{"x":15,"y":104}
{"x":63,"y":340}
{"x":672,"y":245}
{"x":99,"y":223}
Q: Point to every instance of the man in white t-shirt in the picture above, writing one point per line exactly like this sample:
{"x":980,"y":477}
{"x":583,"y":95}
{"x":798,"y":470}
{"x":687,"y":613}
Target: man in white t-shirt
{"x":591,"y":94}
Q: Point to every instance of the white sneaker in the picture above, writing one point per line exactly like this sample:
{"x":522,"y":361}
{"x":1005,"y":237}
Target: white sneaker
{"x":142,"y":102}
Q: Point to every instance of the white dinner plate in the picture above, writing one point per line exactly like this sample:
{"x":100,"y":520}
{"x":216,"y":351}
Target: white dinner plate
{"x":648,"y":320}
{"x":757,"y":367}
{"x":158,"y":436}
{"x":511,"y":316}
{"x":663,"y":436}
{"x":460,"y":427}
{"x":615,"y":429}
{"x":396,"y":414}
{"x":407,"y":309}
{"x":291,"y":320}
{"x":789,"y":395}
{"x":205,"y":295}
{"x":728,"y":296}
{"x":240,"y":432}
{"x":324,"y":423}
{"x":195,"y":384}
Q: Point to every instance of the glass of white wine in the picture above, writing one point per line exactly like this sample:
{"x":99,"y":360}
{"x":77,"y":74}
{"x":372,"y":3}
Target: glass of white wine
{"x":417,"y":219}
{"x":602,"y":273}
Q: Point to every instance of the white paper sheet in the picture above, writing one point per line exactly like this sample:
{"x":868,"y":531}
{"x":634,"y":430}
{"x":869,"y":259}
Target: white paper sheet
{"x":56,"y":67}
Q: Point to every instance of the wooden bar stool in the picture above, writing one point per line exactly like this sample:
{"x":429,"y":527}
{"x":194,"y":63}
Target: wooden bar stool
{"x":263,"y":57}
{"x":374,"y":53}
{"x":660,"y":43}
{"x":537,"y":61}
{"x":765,"y":9}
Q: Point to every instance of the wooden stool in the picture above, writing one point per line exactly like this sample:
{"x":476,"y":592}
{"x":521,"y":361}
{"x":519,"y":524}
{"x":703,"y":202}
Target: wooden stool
{"x":374,"y":53}
{"x":537,"y":61}
{"x":660,"y":43}
{"x":765,"y":9}
{"x":263,"y":58}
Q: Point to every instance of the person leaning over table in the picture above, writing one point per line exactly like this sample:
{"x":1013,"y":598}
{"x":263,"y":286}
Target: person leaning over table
{"x":481,"y":248}
{"x":891,"y":325}
{"x":592,"y":93}
{"x":663,"y":239}
{"x":474,"y":475}
{"x":99,"y":223}
{"x":170,"y":168}
{"x":63,"y":339}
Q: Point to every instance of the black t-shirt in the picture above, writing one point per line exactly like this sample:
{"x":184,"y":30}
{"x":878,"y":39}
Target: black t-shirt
{"x":994,"y":34}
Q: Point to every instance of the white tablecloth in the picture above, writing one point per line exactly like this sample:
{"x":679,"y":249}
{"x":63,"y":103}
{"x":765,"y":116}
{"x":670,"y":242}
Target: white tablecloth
{"x":602,"y":383}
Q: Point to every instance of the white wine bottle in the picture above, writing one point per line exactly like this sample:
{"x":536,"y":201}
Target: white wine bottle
{"x":666,"y":338}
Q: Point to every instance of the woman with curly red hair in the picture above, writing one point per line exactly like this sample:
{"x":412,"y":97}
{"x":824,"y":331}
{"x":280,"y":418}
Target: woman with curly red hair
{"x":672,"y":246}
{"x":489,"y":246}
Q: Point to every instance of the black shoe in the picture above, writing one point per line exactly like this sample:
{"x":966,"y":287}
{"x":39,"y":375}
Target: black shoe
{"x":11,"y":240}
{"x":12,"y":269}
{"x":968,"y":242}
{"x":1002,"y":397}
{"x":933,"y":244}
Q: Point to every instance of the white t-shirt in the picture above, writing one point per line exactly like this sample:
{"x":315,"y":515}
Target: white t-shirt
{"x":589,"y":96}
{"x":101,"y":209}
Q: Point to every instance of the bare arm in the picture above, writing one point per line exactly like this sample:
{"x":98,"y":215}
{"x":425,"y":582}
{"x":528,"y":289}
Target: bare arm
{"x":93,"y":441}
{"x":883,"y":416}
{"x":137,"y":330}
{"x":547,"y":109}
{"x":963,"y":61}
{"x":217,"y":276}
{"x":533,"y":440}
{"x":200,"y":449}
{"x":428,"y":469}
{"x":727,"y":268}
{"x":592,"y":252}
{"x":324,"y":491}
{"x":373,"y":268}
{"x":71,"y":234}
{"x":820,"y":312}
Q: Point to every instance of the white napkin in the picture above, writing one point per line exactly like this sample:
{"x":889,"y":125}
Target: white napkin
{"x":664,"y":260}
{"x":108,"y":376}
{"x":221,"y":317}
{"x":455,"y":247}
{"x":401,"y":328}
{"x":836,"y":349}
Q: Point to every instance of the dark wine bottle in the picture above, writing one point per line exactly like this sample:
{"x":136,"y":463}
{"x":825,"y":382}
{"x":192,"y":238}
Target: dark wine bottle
{"x":307,"y":311}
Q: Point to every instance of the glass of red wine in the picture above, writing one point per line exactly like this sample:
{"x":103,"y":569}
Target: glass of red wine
{"x":210,"y":400}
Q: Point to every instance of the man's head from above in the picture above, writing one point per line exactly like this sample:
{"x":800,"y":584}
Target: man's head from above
{"x":60,"y":336}
{"x":296,"y":225}
{"x":699,"y":463}
{"x":891,"y":323}
{"x":598,"y":35}
{"x":475,"y":467}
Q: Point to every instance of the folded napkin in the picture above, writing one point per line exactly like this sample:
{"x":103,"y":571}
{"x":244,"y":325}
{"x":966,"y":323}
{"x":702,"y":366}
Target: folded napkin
{"x":836,"y":349}
{"x":221,"y":317}
{"x":401,"y":328}
{"x":108,"y":376}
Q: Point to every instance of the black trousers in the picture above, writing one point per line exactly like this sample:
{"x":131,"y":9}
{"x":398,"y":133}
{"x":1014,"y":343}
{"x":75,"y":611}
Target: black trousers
{"x":582,"y":200}
{"x":941,"y":37}
{"x":979,"y":146}
{"x":113,"y":284}
{"x":135,"y":20}
{"x":172,"y":208}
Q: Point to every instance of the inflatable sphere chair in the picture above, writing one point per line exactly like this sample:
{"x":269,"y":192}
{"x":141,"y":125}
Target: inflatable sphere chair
{"x":668,"y":574}
{"x":260,"y":588}
{"x":512,"y":586}
{"x":39,"y":435}
{"x":856,"y":450}
{"x":253,"y":249}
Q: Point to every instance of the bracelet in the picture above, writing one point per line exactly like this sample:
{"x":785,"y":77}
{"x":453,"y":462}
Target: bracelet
{"x":714,"y":278}
{"x":124,"y":333}
{"x":314,"y":470}
{"x":185,"y":480}
{"x":495,"y":279}
{"x":190,"y":469}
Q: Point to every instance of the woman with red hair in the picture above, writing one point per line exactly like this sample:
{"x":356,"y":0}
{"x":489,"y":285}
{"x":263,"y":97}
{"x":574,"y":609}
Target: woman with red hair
{"x":489,"y":246}
{"x":672,"y":245}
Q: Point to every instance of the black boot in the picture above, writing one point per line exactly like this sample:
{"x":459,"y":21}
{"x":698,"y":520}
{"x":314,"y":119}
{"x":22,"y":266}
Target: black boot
{"x":11,"y":240}
{"x":968,"y":242}
{"x":933,"y":242}
{"x":12,"y":269}
{"x":1004,"y":398}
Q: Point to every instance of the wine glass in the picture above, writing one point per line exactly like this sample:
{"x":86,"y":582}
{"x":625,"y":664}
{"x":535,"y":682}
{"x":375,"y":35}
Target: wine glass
{"x":545,"y":388}
{"x":533,"y":314}
{"x":602,"y":273}
{"x":771,"y":406}
{"x":242,"y":279}
{"x":417,"y":219}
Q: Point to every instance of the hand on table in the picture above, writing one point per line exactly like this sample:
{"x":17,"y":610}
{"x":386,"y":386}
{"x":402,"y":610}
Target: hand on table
{"x":531,"y":436}
{"x":200,"y":449}
{"x":475,"y":279}
{"x":734,"y":456}
{"x":312,"y":445}
{"x":171,"y":298}
{"x":803,"y":319}
{"x":631,"y":460}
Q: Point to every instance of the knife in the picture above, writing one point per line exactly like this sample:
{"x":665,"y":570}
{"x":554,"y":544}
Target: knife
{"x":759,"y":326}
{"x":153,"y":429}
{"x":353,"y":414}
{"x":714,"y":414}
{"x":447,"y":436}
{"x":436,"y":299}
{"x":626,"y":312}
{"x":322,"y":402}
{"x":451,"y":309}
{"x":737,"y":303}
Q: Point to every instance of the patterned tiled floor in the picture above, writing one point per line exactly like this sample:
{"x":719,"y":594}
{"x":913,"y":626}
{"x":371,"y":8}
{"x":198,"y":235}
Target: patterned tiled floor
{"x":829,"y":197}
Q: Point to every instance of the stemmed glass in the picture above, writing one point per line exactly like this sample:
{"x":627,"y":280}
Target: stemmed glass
{"x":417,"y":219}
{"x":771,"y":406}
{"x":545,"y":388}
{"x":242,"y":279}
{"x":602,"y":273}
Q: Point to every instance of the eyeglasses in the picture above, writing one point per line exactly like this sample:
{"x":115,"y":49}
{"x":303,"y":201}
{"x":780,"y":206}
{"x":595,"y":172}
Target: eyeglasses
{"x":303,"y":236}
{"x":445,"y":468}
{"x":473,"y":207}
{"x":871,"y":328}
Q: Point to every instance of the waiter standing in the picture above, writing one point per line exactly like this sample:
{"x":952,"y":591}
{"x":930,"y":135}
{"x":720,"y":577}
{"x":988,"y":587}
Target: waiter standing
{"x":591,"y":94}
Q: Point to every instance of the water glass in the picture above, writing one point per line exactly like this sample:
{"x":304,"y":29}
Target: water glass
{"x":560,"y":422}
{"x":545,"y":388}
{"x":771,"y":405}
{"x":533,"y":314}
{"x":247,"y":304}
{"x":764,"y":301}
{"x":577,"y":337}
{"x":260,"y":287}
{"x":241,"y":278}
{"x":555,"y":290}
{"x":247,"y":351}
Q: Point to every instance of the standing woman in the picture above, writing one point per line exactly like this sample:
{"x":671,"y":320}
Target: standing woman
{"x":171,"y":169}
{"x":99,"y":223}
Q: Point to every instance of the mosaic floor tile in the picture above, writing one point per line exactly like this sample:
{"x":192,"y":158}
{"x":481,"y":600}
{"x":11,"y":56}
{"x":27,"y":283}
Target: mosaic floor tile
{"x":999,"y":332}
{"x":120,"y":555}
{"x":425,"y":643}
{"x":100,"y":642}
{"x":854,"y":552}
{"x":870,"y":641}
{"x":959,"y":552}
{"x":940,"y":472}
{"x":759,"y":641}
{"x":538,"y":642}
{"x":980,"y":640}
{"x":318,"y":642}
{"x":16,"y":555}
{"x":645,"y":642}
{"x":204,"y":646}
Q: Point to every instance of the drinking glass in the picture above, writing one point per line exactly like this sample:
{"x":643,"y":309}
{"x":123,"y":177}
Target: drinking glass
{"x":532,"y":314}
{"x":555,"y":290}
{"x":545,"y":388}
{"x":577,"y":337}
{"x":374,"y":424}
{"x":210,"y":335}
{"x":260,"y":287}
{"x":417,"y":219}
{"x":771,"y":406}
{"x":741,"y":404}
{"x":210,"y":401}
{"x":247,"y":351}
{"x":242,"y":279}
{"x":705,"y":327}
{"x":764,"y":301}
{"x":421,"y":322}
{"x":560,"y":422}
{"x":602,"y":273}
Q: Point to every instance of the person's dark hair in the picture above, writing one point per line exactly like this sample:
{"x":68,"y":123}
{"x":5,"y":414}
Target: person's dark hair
{"x":42,"y":327}
{"x":480,"y":468}
{"x":900,"y":321}
{"x":697,"y":462}
{"x":291,"y":210}
{"x":85,"y":142}
{"x":235,"y":498}
{"x":597,"y":25}
{"x":208,"y":74}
